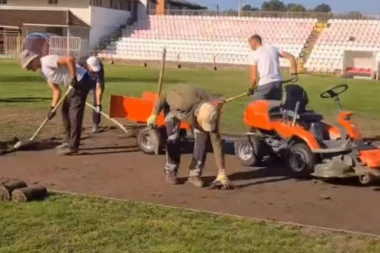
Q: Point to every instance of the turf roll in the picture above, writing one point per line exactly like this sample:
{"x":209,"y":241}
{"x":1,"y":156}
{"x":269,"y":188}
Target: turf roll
{"x":7,"y":189}
{"x":33,"y":192}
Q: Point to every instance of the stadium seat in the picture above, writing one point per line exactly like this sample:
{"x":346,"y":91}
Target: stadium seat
{"x":205,"y":38}
{"x":334,"y":39}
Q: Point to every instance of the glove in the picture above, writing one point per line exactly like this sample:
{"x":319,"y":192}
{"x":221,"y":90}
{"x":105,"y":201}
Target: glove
{"x":294,"y":77}
{"x":98,"y":109}
{"x":250,"y":91}
{"x":74,"y":82}
{"x":222,"y":182}
{"x":151,"y":121}
{"x":51,"y":113}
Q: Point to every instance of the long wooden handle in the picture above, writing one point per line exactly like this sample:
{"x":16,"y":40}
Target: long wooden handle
{"x":162,"y":72}
{"x":54,"y":109}
{"x":235,"y":97}
{"x":111,"y":119}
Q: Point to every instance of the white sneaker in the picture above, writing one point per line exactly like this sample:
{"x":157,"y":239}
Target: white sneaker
{"x":95,"y":129}
{"x":62,"y":146}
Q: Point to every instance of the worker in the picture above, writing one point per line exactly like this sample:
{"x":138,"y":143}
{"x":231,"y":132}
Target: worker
{"x":194,"y":106}
{"x":95,"y":67}
{"x":59,"y":71}
{"x":265,"y":66}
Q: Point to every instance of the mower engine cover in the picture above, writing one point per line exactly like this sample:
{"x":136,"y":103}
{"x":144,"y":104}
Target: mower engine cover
{"x":371,"y":158}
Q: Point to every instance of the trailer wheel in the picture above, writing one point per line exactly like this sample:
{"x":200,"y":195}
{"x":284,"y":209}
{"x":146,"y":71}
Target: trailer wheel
{"x":300,"y":160}
{"x":144,"y":142}
{"x":248,"y":151}
{"x":367,"y":179}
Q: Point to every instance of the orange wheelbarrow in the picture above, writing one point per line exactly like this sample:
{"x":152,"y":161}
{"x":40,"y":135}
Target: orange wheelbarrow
{"x":137,"y":110}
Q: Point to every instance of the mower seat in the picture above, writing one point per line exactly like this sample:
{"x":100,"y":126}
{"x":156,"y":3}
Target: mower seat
{"x":310,"y":116}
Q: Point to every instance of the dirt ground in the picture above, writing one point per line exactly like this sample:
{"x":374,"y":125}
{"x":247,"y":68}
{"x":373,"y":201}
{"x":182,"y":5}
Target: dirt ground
{"x":111,"y":165}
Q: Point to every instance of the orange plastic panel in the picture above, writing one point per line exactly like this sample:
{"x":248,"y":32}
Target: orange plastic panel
{"x":286,"y":130}
{"x":256,"y":115}
{"x":137,"y":109}
{"x":350,"y":126}
{"x":371,"y":158}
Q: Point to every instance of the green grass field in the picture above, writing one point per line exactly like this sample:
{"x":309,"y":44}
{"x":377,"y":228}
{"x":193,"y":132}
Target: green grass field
{"x":65,"y":223}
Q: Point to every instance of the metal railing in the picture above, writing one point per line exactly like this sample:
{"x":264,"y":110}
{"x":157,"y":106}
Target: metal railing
{"x":323,"y":16}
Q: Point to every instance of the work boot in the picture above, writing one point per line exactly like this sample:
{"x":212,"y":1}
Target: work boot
{"x":67,"y":151}
{"x":171,"y":178}
{"x":62,"y":146}
{"x":196,"y":181}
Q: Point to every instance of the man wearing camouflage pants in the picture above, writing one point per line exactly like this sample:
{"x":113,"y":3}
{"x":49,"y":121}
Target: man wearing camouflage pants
{"x":194,"y":106}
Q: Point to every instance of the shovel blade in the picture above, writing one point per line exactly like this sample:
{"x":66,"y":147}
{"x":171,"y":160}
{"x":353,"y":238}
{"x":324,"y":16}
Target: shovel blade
{"x":154,"y":139}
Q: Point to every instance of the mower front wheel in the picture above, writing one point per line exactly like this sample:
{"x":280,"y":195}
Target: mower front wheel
{"x":367,"y":179}
{"x":247,"y":150}
{"x":301,"y":160}
{"x":144,"y":142}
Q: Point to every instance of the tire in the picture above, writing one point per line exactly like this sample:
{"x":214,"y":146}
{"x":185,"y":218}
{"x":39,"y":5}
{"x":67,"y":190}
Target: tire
{"x":248,"y":151}
{"x":300,"y":161}
{"x":144,"y":143}
{"x":366,"y":179}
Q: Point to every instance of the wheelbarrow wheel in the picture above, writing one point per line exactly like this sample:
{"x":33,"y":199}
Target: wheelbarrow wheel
{"x":144,"y":142}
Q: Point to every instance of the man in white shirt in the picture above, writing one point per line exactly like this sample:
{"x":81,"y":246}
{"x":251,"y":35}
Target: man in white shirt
{"x":61,"y":71}
{"x":96,"y":69}
{"x":265,"y":66}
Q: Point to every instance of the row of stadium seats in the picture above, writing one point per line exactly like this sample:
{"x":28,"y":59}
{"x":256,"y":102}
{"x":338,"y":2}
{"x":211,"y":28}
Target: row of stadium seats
{"x":224,"y":39}
{"x":327,"y":53}
{"x":205,"y":39}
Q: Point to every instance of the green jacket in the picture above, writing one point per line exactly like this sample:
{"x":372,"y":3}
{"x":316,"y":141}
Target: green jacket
{"x":182,"y":100}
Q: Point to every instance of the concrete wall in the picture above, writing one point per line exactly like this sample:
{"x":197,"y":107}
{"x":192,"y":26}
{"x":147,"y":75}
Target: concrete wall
{"x":44,"y":3}
{"x":103,"y":22}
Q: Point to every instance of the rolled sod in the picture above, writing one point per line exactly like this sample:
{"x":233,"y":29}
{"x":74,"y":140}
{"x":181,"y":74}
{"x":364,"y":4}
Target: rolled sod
{"x":7,"y":189}
{"x":33,"y":192}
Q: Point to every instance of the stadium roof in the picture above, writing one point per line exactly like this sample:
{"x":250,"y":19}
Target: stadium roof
{"x":19,"y":18}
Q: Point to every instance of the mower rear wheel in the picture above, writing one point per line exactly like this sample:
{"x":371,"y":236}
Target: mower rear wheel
{"x":144,"y":143}
{"x":367,"y":179}
{"x":247,"y":150}
{"x":301,"y":160}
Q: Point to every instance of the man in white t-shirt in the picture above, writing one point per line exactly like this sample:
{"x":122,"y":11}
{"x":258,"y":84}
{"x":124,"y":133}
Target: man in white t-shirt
{"x":265,"y":66}
{"x":61,"y":71}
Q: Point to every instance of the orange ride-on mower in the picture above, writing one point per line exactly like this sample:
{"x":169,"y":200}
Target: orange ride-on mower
{"x":137,"y":110}
{"x":304,"y":142}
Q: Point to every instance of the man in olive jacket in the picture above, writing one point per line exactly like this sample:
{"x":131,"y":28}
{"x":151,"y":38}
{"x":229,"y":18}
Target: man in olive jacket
{"x":194,"y":106}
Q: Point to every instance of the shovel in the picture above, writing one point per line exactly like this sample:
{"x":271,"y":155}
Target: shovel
{"x":153,"y":135}
{"x":28,"y":142}
{"x":111,"y":119}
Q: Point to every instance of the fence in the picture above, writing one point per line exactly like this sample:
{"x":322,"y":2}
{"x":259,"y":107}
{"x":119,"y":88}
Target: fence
{"x":11,"y":43}
{"x":322,"y":16}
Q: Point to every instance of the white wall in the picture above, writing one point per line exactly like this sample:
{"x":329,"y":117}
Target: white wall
{"x":142,"y":9}
{"x":104,"y":21}
{"x":44,"y":3}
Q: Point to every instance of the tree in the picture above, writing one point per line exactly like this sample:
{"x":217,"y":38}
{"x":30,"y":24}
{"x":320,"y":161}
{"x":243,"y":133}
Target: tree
{"x":273,"y":5}
{"x":295,"y":7}
{"x":247,"y":7}
{"x":323,"y":8}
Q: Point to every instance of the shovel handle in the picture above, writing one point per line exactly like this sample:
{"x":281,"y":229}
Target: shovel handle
{"x":54,"y":109}
{"x":111,"y":119}
{"x":235,"y":97}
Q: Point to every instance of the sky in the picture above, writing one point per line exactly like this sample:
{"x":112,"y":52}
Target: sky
{"x":338,"y":6}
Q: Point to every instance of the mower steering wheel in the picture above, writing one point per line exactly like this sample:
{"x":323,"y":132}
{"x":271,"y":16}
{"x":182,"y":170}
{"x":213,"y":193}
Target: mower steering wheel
{"x":334,"y":91}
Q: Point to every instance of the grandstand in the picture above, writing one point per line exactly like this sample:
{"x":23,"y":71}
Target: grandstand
{"x":203,"y":39}
{"x":320,"y":45}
